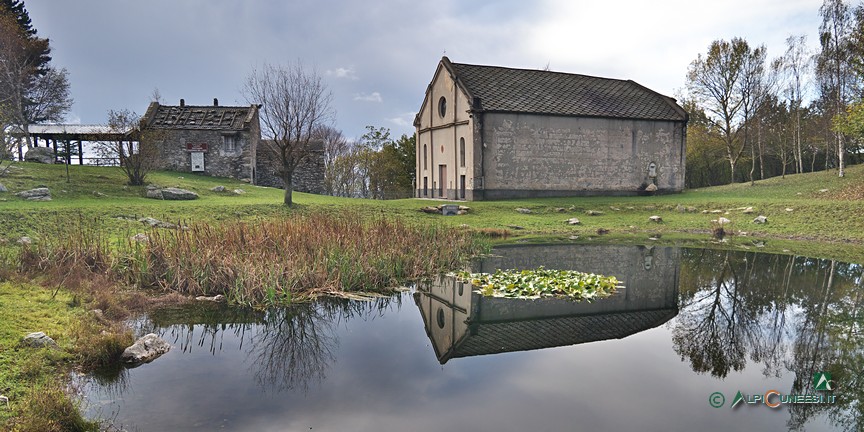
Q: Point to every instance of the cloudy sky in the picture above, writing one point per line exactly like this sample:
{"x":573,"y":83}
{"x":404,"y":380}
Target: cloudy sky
{"x":377,"y":57}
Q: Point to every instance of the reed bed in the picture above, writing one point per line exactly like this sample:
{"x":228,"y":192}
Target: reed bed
{"x":273,"y":261}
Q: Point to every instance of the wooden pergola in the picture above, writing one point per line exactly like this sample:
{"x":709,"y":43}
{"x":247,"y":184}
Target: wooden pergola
{"x":69,"y":133}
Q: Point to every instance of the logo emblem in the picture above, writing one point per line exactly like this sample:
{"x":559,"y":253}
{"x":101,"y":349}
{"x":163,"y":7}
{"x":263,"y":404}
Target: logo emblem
{"x":822,"y":381}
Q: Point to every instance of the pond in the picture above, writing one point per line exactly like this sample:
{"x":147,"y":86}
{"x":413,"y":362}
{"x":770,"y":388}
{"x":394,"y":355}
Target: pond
{"x":672,"y":351}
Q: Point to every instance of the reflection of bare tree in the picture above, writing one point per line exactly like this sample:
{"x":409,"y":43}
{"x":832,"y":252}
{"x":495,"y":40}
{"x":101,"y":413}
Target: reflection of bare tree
{"x":295,"y":346}
{"x":715,"y":326}
{"x":794,"y":314}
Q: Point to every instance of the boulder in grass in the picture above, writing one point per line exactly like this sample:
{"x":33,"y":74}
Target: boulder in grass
{"x":145,"y":350}
{"x":723,"y":221}
{"x":43,"y":155}
{"x":573,"y":221}
{"x":38,"y":194}
{"x":177,"y":194}
{"x":218,"y":189}
{"x":524,"y":210}
{"x":655,"y":218}
{"x":760,"y":220}
{"x":38,"y":340}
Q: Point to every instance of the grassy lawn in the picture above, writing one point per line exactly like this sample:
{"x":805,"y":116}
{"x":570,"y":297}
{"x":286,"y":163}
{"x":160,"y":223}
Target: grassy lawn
{"x":803,"y":217}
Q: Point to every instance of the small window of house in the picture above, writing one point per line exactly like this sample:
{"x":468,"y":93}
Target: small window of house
{"x":442,"y":106}
{"x":461,"y":152}
{"x":425,"y":157}
{"x":230,"y":143}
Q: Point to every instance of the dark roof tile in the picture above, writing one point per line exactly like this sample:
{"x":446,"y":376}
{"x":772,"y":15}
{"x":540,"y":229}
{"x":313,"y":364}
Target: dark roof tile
{"x":556,"y":93}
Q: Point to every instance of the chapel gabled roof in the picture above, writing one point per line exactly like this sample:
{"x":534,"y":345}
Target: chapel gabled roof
{"x":502,"y":89}
{"x":199,"y":117}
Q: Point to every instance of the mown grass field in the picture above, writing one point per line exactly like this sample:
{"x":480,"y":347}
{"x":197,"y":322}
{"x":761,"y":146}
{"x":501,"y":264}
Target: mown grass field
{"x":815,"y":214}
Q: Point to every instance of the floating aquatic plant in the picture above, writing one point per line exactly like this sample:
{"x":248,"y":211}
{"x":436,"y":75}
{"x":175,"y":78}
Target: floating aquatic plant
{"x":542,"y":282}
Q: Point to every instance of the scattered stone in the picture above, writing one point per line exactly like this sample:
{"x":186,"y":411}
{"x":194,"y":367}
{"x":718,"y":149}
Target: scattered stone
{"x":680,"y":208}
{"x":789,"y":209}
{"x":593,"y":213}
{"x":651,"y":188}
{"x":716,"y":211}
{"x":650,"y":207}
{"x":723,"y":221}
{"x":176,"y":194}
{"x":655,"y":218}
{"x":823,"y":190}
{"x":145,"y":350}
{"x":218,"y":189}
{"x":25,"y":240}
{"x":524,"y":210}
{"x":431,"y":210}
{"x":630,"y":208}
{"x":760,"y":220}
{"x":743,"y":233}
{"x":3,"y":188}
{"x":216,"y":298}
{"x":692,"y":209}
{"x":38,"y":194}
{"x":43,"y":155}
{"x":156,"y":223}
{"x":574,"y":237}
{"x":573,"y":221}
{"x":559,"y":209}
{"x":799,"y":193}
{"x":246,"y":180}
{"x":4,"y":399}
{"x":98,"y":194}
{"x":515,"y":227}
{"x":38,"y":340}
{"x":786,"y":251}
{"x":613,"y":208}
{"x":238,"y":191}
{"x":140,"y":237}
{"x":462,"y":212}
{"x":704,"y":211}
{"x":464,"y":208}
{"x":747,"y":210}
{"x":601,"y":231}
{"x":759,"y":244}
{"x":655,"y":236}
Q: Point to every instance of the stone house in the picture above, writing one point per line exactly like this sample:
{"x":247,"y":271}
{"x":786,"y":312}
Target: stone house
{"x":223,"y":141}
{"x":215,"y":140}
{"x":488,"y":132}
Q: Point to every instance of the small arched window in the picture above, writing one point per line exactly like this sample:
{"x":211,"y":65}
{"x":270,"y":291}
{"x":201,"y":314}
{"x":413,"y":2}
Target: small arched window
{"x":461,"y":152}
{"x":442,"y":106}
{"x":425,"y":157}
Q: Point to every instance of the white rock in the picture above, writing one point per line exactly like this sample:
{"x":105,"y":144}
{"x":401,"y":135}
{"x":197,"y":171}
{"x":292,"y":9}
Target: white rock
{"x":573,"y":221}
{"x":145,"y":349}
{"x":723,"y":221}
{"x":655,"y":218}
{"x":760,"y":220}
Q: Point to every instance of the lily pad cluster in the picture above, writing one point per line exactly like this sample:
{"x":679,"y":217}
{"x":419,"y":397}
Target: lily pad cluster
{"x":542,"y":282}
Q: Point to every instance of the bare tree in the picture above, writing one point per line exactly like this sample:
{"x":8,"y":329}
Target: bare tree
{"x":30,"y":91}
{"x":754,"y":89}
{"x":295,"y":103}
{"x":335,"y":146}
{"x":136,"y":160}
{"x":796,"y":65}
{"x":713,"y":81}
{"x":832,"y":64}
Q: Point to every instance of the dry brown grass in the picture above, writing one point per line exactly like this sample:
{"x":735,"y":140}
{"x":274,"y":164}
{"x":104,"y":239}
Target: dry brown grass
{"x":265,"y":262}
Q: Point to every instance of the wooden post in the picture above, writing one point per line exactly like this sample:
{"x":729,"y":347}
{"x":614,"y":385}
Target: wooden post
{"x":54,"y":141}
{"x":80,"y":153}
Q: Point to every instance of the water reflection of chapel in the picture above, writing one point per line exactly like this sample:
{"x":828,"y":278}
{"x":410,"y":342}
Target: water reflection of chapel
{"x":462,"y":323}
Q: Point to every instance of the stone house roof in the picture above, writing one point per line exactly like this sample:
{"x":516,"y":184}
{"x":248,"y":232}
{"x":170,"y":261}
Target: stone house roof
{"x":501,"y":89}
{"x":212,"y":117}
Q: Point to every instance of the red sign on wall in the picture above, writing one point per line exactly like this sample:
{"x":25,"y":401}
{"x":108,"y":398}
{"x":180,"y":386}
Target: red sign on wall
{"x":196,"y":147}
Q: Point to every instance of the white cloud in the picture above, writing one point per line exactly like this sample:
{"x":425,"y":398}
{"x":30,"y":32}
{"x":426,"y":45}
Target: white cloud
{"x":403,"y":120}
{"x":372,"y":97}
{"x":342,"y":72}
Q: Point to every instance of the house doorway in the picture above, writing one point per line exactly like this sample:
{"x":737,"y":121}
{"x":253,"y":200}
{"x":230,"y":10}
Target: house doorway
{"x":442,"y":181}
